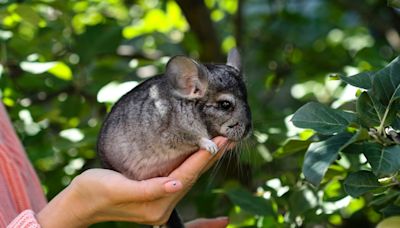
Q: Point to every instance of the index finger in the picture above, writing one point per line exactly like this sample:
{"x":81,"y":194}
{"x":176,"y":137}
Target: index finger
{"x":193,"y":166}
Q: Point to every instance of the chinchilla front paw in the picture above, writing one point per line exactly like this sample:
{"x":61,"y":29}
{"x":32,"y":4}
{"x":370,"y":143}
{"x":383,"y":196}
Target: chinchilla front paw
{"x":209,"y":145}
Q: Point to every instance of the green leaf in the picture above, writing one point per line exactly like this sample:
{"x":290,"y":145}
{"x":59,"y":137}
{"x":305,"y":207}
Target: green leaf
{"x":322,"y":119}
{"x":320,"y":156}
{"x":249,"y":202}
{"x":360,"y":182}
{"x":368,"y":113}
{"x":386,"y":82}
{"x":361,"y":80}
{"x":390,"y":210}
{"x":302,"y":200}
{"x":28,"y":14}
{"x":386,"y":87}
{"x":61,"y":70}
{"x":387,"y":115}
{"x":383,"y":160}
{"x":396,"y":122}
{"x":384,"y":199}
{"x":291,"y":146}
{"x":97,"y":40}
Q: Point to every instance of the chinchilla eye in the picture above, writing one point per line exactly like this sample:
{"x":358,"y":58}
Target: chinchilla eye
{"x":224,"y":105}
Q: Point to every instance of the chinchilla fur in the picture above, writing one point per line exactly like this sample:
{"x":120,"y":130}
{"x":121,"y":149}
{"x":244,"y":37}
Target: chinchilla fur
{"x":153,"y":128}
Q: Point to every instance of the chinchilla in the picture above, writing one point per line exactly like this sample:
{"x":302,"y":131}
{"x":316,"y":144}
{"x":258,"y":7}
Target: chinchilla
{"x":153,"y":128}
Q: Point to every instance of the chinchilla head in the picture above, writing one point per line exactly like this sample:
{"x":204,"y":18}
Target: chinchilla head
{"x":218,"y":92}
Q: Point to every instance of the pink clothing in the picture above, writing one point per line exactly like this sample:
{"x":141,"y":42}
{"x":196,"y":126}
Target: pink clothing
{"x":20,"y":188}
{"x":24,"y":220}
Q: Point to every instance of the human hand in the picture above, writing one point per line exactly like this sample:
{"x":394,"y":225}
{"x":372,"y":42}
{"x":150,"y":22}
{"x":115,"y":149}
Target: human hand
{"x":99,"y":195}
{"x":220,"y":222}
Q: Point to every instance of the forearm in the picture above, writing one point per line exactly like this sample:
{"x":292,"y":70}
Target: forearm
{"x":64,"y":211}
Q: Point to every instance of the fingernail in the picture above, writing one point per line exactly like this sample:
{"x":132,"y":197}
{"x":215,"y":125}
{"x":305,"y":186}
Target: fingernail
{"x":173,"y":186}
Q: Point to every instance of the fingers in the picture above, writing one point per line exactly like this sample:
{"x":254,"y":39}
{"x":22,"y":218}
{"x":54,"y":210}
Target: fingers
{"x":222,"y":149}
{"x":188,"y":171}
{"x":220,"y":222}
{"x":147,"y":190}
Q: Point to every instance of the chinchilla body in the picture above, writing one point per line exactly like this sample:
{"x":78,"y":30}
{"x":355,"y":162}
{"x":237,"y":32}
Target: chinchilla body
{"x":153,"y":128}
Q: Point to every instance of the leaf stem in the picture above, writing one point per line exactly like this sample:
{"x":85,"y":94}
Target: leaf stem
{"x":380,"y":128}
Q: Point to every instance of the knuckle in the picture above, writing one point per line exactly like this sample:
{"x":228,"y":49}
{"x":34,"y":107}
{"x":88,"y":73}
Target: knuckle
{"x":189,"y":180}
{"x":147,"y":193}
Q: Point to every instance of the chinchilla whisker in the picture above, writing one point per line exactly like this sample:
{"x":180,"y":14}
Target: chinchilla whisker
{"x":218,"y":163}
{"x":214,"y":171}
{"x":238,"y":154}
{"x":224,"y":159}
{"x":248,"y":156}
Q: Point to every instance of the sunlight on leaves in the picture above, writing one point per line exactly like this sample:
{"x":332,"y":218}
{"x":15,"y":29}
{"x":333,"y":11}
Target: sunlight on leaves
{"x":322,"y":119}
{"x":111,"y":92}
{"x":72,"y":134}
{"x":157,"y":20}
{"x":36,"y":67}
{"x":61,"y":71}
{"x":58,"y":69}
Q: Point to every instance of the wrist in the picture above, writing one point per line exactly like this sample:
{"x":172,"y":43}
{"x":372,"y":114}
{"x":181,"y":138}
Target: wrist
{"x":67,"y":209}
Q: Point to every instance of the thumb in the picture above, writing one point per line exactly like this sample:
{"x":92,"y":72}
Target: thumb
{"x":193,"y":166}
{"x":148,"y":190}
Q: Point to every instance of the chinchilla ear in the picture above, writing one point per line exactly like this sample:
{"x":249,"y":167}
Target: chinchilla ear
{"x":234,"y":59}
{"x":188,"y":78}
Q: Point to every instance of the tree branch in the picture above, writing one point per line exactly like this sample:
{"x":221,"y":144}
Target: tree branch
{"x":198,"y":16}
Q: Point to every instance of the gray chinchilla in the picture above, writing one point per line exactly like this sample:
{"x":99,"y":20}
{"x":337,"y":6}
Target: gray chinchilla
{"x":153,"y":128}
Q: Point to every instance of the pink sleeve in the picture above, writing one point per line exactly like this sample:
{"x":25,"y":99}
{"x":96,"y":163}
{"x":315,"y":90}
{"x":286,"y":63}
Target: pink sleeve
{"x":20,"y":187}
{"x":25,"y":219}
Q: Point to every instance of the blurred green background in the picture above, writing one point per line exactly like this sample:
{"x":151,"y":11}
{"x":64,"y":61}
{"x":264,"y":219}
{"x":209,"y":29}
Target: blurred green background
{"x":64,"y":63}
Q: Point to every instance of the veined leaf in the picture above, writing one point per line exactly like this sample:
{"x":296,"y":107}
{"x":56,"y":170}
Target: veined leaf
{"x":362,"y":80}
{"x":386,"y":82}
{"x":383,"y":160}
{"x":322,"y":119}
{"x":384,"y":199}
{"x":320,"y":156}
{"x":360,"y":182}
{"x":369,"y":114}
{"x":390,"y":210}
{"x":386,"y":87}
{"x":386,"y":114}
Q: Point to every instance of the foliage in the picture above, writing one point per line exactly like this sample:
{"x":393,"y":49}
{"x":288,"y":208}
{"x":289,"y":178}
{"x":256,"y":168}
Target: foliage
{"x":64,"y":63}
{"x":369,"y":134}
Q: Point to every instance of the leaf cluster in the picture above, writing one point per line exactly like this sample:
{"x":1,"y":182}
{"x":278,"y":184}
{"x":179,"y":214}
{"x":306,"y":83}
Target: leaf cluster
{"x":367,"y":137}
